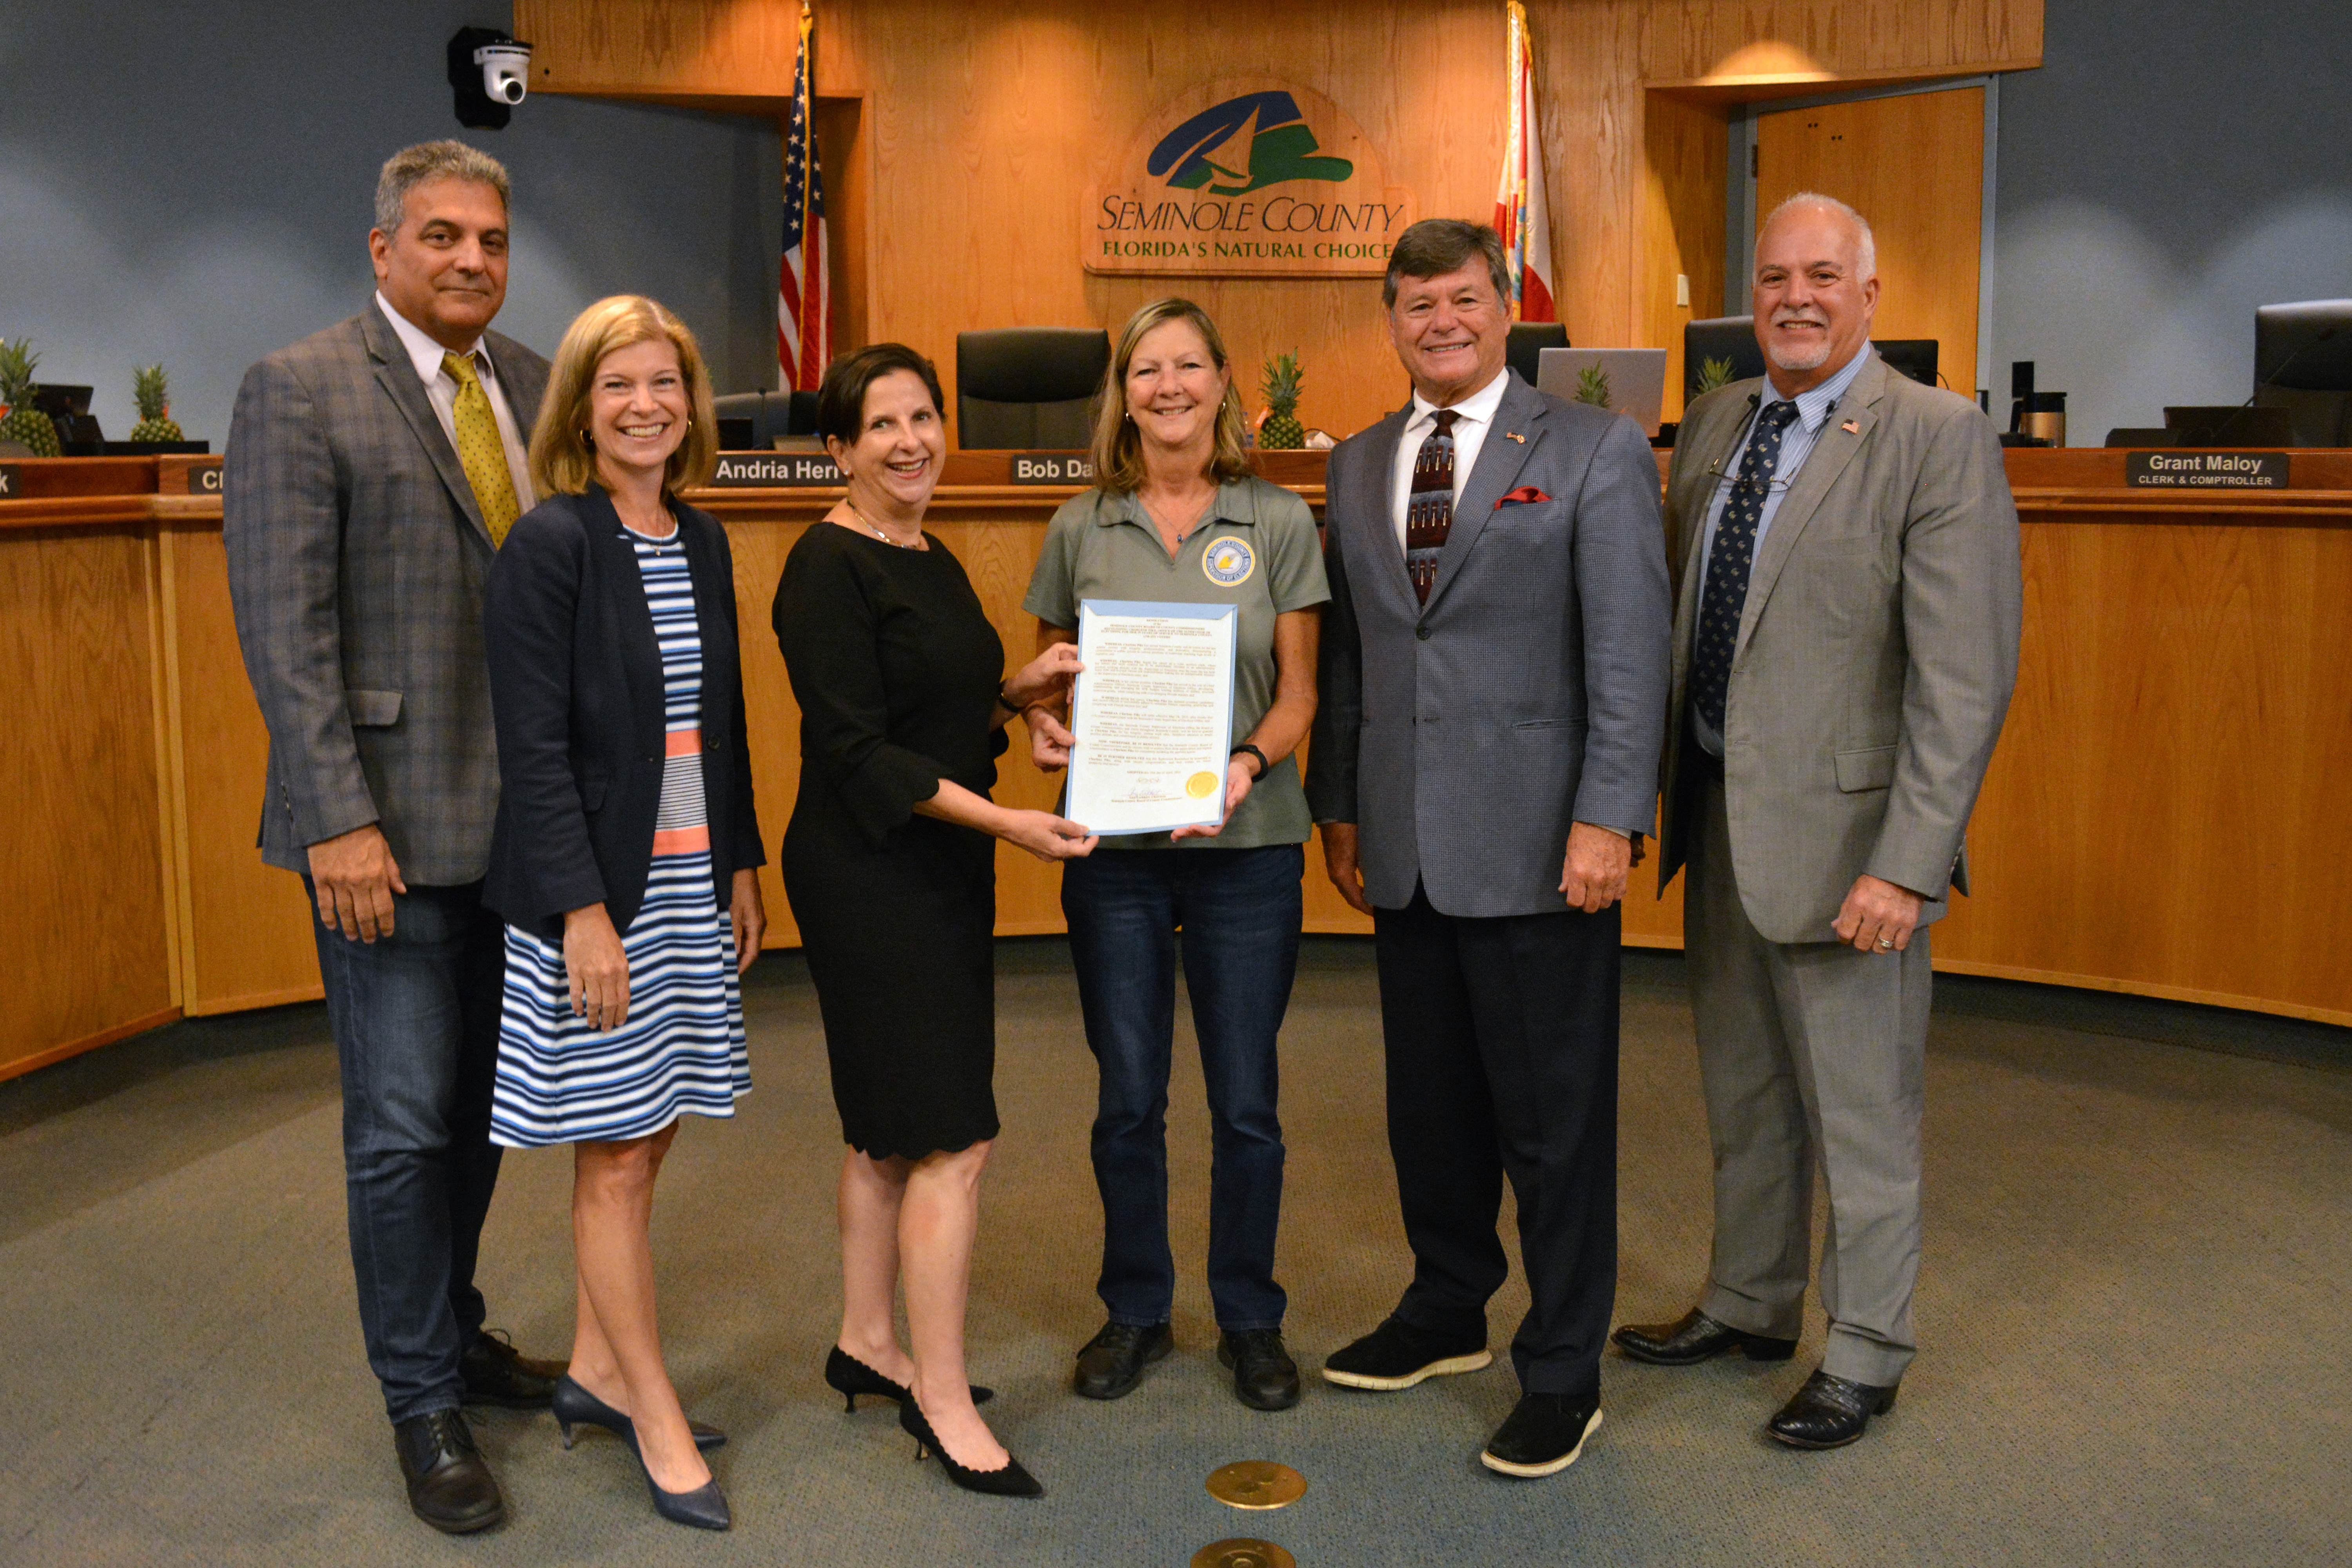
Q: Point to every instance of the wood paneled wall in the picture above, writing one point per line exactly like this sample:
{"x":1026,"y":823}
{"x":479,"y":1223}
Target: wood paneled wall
{"x":981,"y":127}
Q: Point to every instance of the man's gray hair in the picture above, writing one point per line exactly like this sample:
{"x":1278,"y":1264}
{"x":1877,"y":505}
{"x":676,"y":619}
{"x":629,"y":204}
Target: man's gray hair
{"x":412,"y":166}
{"x":1437,"y":245}
{"x":1867,"y":257}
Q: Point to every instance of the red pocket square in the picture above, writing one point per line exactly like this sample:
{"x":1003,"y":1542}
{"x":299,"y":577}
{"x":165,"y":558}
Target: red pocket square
{"x":1525,"y":495}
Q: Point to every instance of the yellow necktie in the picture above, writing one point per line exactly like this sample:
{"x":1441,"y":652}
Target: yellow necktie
{"x":481,"y":450}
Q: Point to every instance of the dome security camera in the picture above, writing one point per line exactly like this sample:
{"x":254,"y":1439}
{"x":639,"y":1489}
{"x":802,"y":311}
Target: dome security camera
{"x":490,"y":71}
{"x":505,"y":71}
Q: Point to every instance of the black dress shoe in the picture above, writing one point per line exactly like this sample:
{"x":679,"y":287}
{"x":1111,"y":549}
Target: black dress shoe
{"x":1543,"y":1434}
{"x":1830,"y":1412}
{"x":448,"y":1486}
{"x":1694,"y":1337}
{"x":1008,"y":1479}
{"x":498,"y":1373}
{"x":849,"y":1378}
{"x":704,"y":1508}
{"x":1397,"y":1356}
{"x":1264,"y":1377}
{"x":1112,"y":1362}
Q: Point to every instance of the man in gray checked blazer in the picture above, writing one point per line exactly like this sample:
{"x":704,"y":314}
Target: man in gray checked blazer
{"x":1845,"y":640}
{"x":370,"y":470}
{"x":1484,"y":763}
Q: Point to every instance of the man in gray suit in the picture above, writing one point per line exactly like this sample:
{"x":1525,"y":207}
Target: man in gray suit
{"x":1845,"y":640}
{"x":371,"y":470}
{"x":1484,"y":761}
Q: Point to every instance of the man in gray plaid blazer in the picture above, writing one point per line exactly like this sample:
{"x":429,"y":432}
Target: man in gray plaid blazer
{"x":370,"y":470}
{"x":1846,"y":553}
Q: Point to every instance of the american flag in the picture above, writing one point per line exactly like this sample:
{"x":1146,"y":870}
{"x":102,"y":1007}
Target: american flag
{"x":803,"y":334}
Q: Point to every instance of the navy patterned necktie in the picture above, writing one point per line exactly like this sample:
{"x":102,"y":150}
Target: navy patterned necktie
{"x":1728,"y":564}
{"x":1429,"y":509}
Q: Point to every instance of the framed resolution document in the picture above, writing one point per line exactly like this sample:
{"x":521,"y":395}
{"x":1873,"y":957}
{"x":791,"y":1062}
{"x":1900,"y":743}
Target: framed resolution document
{"x":1152,"y":713}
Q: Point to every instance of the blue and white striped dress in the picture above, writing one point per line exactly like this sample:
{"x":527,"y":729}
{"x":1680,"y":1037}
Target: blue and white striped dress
{"x":681,"y":1052}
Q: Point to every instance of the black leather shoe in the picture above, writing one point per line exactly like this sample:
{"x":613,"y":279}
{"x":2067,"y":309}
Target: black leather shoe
{"x":1112,"y":1362}
{"x":448,"y":1486}
{"x":1693,"y":1338}
{"x":1397,"y":1356}
{"x":498,"y":1373}
{"x":1830,"y":1411}
{"x":850,"y":1377}
{"x":1264,"y":1377}
{"x":1543,"y":1434}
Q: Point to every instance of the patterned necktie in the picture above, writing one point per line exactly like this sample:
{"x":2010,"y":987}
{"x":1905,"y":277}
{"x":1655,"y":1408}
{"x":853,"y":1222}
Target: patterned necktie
{"x":1429,"y":509}
{"x":481,"y":450}
{"x":1727,"y":565}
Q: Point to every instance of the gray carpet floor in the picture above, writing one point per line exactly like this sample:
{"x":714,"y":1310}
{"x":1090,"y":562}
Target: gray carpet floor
{"x":2139,"y":1231}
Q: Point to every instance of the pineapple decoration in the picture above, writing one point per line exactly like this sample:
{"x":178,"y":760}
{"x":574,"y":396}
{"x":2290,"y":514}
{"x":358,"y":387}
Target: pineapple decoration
{"x":1713,"y":373}
{"x":1282,"y":431}
{"x":154,"y":398}
{"x":22,"y":423}
{"x":1593,"y":386}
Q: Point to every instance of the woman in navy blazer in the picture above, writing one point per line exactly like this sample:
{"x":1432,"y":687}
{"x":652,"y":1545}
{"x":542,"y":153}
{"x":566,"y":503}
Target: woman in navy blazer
{"x":624,"y":850}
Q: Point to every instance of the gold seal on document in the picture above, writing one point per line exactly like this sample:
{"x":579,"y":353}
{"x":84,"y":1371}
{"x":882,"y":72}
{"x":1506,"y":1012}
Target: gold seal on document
{"x":1200,"y":787}
{"x":1243,"y":1554}
{"x":1256,"y":1483}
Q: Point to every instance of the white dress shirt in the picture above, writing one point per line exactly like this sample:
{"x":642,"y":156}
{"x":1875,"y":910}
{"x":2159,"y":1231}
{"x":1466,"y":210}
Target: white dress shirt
{"x":442,"y":388}
{"x":1475,"y":417}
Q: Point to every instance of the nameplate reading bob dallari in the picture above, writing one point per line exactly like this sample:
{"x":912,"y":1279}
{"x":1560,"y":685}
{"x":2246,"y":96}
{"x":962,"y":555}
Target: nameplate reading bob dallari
{"x":1152,"y":714}
{"x":2186,"y":470}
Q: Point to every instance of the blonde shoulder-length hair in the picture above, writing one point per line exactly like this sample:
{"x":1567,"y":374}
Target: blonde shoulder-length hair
{"x":1118,"y":446}
{"x":563,"y":459}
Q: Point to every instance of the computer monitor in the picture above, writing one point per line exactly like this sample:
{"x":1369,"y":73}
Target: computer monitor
{"x":2303,"y":363}
{"x":1637,"y":379}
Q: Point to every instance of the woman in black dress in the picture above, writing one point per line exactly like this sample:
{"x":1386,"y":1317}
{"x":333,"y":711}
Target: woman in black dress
{"x":891,"y":872}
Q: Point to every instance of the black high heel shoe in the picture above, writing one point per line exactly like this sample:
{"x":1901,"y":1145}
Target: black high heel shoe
{"x":849,"y":1378}
{"x":704,"y":1508}
{"x":1008,"y":1481}
{"x":575,"y":1406}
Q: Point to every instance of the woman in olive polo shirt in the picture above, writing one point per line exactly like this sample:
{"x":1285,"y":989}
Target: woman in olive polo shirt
{"x":1179,"y":516}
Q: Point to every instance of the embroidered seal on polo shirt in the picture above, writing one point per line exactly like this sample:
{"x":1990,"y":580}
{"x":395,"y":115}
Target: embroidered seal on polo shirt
{"x":1228,"y":562}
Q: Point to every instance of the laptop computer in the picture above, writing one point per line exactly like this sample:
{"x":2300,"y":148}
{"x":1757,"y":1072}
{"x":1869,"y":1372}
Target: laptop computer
{"x":1637,"y":379}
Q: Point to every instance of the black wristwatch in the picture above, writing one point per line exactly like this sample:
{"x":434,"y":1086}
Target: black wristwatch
{"x":1263,"y":767}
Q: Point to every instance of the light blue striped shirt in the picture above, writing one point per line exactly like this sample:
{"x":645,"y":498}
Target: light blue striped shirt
{"x":1796,"y":445}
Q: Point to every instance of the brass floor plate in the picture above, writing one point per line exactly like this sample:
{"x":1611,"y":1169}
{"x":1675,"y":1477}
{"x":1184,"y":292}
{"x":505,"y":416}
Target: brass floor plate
{"x":1243,"y":1554}
{"x":1256,"y":1483}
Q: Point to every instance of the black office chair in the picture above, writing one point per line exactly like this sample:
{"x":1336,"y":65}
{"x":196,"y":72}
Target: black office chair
{"x":1729,"y":337}
{"x":1523,"y":352}
{"x":2303,"y":363}
{"x":1029,"y":388}
{"x":1914,"y":357}
{"x":750,"y":421}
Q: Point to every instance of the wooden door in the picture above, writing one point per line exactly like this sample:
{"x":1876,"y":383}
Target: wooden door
{"x":1914,"y":165}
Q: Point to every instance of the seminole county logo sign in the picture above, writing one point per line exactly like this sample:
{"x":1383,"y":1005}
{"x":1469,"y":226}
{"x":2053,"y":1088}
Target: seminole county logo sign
{"x":1246,"y":176}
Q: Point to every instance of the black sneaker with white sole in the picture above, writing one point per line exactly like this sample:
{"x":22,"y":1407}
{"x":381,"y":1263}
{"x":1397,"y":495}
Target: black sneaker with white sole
{"x":1397,"y":1355}
{"x":1543,"y":1434}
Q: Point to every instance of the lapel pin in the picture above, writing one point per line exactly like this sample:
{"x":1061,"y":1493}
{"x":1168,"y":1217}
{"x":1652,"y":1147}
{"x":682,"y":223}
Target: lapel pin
{"x":1851,"y":428}
{"x":1515,"y":436}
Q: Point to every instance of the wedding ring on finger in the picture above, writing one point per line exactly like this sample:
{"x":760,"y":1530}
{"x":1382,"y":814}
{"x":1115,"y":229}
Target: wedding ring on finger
{"x":1885,"y":941}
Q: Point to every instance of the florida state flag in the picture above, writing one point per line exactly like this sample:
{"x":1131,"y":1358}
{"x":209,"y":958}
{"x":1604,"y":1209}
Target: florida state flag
{"x":1520,"y":216}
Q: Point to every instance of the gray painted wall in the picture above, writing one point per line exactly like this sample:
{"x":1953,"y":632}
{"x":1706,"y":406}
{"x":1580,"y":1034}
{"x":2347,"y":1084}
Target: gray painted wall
{"x":2173,"y":164}
{"x":193,"y":185}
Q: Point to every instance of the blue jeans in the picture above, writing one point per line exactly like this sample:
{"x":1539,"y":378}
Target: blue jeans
{"x":415,"y":1017}
{"x":1240,"y":912}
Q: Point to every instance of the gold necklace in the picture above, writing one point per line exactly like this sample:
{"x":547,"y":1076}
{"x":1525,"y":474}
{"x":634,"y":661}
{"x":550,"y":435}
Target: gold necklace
{"x":873,"y":529}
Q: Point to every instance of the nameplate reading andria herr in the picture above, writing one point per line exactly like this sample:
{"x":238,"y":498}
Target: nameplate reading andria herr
{"x":775,"y":470}
{"x":2222,"y":470}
